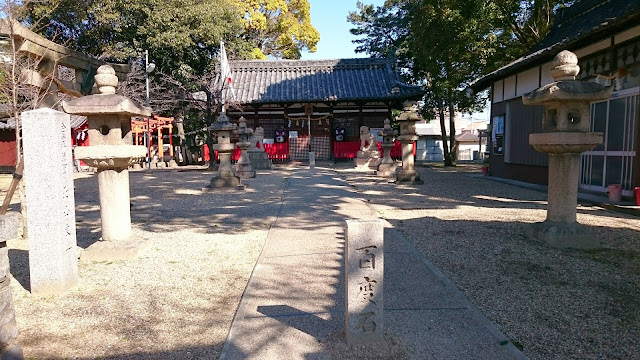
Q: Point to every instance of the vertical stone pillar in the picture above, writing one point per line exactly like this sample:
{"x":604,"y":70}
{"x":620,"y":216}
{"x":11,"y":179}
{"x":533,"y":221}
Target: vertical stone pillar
{"x":563,"y":195}
{"x":407,"y":120}
{"x":9,"y":346}
{"x":364,"y":276}
{"x":53,"y":260}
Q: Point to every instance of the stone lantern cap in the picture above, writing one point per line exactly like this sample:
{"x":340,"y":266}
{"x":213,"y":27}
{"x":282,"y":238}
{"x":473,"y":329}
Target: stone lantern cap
{"x":242,"y":127}
{"x":566,"y":88}
{"x":223,"y":124}
{"x":387,"y":130}
{"x":107,"y":102}
{"x":410,"y":112}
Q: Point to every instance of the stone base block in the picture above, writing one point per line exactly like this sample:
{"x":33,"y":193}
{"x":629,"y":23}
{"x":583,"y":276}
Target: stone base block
{"x":137,"y":166}
{"x":409,"y":177}
{"x":8,"y":327}
{"x":367,"y":163}
{"x":223,"y":182}
{"x":115,"y":250}
{"x":173,"y":163}
{"x":387,"y":170}
{"x":261,"y":164}
{"x":564,"y":235}
{"x":244,"y":171}
{"x":368,"y":154}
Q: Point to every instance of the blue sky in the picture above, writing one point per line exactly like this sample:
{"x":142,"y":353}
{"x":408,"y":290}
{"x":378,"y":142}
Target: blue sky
{"x":329,"y":17}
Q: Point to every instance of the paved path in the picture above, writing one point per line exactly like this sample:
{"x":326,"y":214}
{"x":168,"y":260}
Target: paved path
{"x":295,"y":298}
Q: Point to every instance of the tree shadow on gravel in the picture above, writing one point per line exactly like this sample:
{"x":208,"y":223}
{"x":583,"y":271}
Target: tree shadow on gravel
{"x":544,"y":298}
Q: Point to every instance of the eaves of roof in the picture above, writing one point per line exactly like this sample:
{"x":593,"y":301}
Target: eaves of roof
{"x":294,"y":81}
{"x":580,"y":25}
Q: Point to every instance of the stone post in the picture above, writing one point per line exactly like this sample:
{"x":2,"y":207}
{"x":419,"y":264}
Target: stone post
{"x":407,"y":120}
{"x":364,"y":281}
{"x":9,"y":346}
{"x":259,"y":158}
{"x":51,"y":220}
{"x":243,"y":168}
{"x":566,"y":124}
{"x":110,"y":151}
{"x":225,"y":177}
{"x":387,"y":167}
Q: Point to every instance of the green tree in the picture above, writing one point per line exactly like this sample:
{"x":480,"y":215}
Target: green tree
{"x":444,"y":44}
{"x":182,"y":36}
{"x":279,"y":28}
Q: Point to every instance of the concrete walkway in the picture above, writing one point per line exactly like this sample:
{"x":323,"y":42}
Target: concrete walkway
{"x":294,"y":301}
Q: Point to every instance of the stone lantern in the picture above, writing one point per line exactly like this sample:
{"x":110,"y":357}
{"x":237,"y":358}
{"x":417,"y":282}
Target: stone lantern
{"x":407,"y":120}
{"x":566,"y":125}
{"x":243,"y":168}
{"x":225,"y":176}
{"x":111,"y":152}
{"x":259,"y":158}
{"x":387,"y":167}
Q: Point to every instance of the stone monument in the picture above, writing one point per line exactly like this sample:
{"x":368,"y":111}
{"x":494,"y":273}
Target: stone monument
{"x":364,"y":275}
{"x":387,"y":167}
{"x":243,"y":168}
{"x":225,"y":176}
{"x":368,"y":157}
{"x":407,"y":120}
{"x":110,"y":151}
{"x":258,"y":156}
{"x":9,"y":346}
{"x":51,"y":220}
{"x":566,"y":124}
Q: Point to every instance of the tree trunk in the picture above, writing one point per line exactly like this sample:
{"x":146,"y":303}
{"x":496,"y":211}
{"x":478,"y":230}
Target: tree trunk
{"x":445,"y":145}
{"x":452,"y":132}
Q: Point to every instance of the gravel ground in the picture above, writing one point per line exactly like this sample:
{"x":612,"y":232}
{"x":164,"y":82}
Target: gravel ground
{"x":177,"y":300}
{"x":555,"y":304}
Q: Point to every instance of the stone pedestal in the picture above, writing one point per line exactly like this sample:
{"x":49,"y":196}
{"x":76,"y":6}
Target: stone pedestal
{"x":109,"y":116}
{"x":387,"y":167}
{"x":51,"y":220}
{"x":368,"y":157}
{"x":9,"y":346}
{"x":407,"y":120}
{"x":225,"y":176}
{"x":566,"y":122}
{"x":243,"y":168}
{"x":258,"y":157}
{"x":364,"y":281}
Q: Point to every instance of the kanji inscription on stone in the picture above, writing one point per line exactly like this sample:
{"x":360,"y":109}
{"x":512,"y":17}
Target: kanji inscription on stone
{"x":364,"y":271}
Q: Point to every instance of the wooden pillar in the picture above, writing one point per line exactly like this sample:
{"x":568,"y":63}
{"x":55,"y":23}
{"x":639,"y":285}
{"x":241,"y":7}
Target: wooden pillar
{"x":160,"y":144}
{"x":135,"y":137}
{"x":171,"y":140}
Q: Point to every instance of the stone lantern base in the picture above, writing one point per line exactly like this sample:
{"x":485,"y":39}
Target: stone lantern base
{"x":218,"y":182}
{"x":115,"y":250}
{"x":409,"y":176}
{"x":259,"y":160}
{"x":387,"y":170}
{"x":564,"y":235}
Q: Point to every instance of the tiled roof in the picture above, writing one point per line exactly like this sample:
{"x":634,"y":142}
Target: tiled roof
{"x":579,"y":25}
{"x":10,"y":124}
{"x":467,"y":137}
{"x":289,"y":81}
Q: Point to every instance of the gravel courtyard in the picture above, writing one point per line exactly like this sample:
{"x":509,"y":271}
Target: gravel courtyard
{"x":177,"y":300}
{"x":557,"y":304}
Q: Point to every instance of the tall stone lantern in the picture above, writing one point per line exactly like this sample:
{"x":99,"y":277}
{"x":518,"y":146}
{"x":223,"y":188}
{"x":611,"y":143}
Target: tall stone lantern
{"x":387,"y":167}
{"x":407,"y":120}
{"x":243,"y":168}
{"x":566,"y":124}
{"x":111,"y":152}
{"x":225,"y":176}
